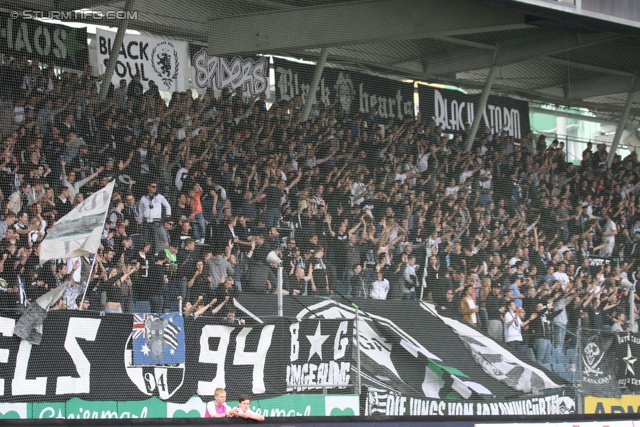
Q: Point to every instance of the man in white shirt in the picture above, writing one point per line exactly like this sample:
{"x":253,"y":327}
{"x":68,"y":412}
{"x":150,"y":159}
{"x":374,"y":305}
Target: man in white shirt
{"x":512,"y":331}
{"x":182,"y":173}
{"x":150,"y":211}
{"x":380,"y":287}
{"x":561,"y":276}
{"x":608,"y":236}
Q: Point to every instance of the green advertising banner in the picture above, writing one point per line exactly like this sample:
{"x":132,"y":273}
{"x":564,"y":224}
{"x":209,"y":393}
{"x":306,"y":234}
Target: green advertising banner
{"x":281,"y":406}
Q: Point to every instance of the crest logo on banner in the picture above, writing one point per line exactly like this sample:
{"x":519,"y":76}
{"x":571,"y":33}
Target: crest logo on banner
{"x":597,"y":350}
{"x":165,"y":62}
{"x":158,"y":340}
{"x":345,"y":90}
{"x":592,"y":356}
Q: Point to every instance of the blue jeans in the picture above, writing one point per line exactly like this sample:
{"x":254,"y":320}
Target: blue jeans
{"x":272,"y":217}
{"x":543,"y":350}
{"x":199,"y":227}
{"x":149,"y":230}
{"x":410,"y":296}
{"x":559,"y":333}
{"x":484,"y":320}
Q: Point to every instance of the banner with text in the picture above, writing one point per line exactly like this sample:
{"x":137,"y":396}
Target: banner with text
{"x":384,"y":402}
{"x":405,"y":350}
{"x":598,"y":353}
{"x":59,"y":44}
{"x":354,"y":91}
{"x":166,"y":62}
{"x":251,"y":74}
{"x":94,"y":357}
{"x":626,"y":404}
{"x":281,"y":406}
{"x":452,"y":111}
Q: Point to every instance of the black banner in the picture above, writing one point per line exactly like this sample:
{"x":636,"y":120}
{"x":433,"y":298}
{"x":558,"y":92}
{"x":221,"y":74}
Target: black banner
{"x":628,"y":353}
{"x":90,"y":356}
{"x":355,"y":91}
{"x":598,"y":353}
{"x":453,"y":110}
{"x":405,"y":348}
{"x":66,"y":46}
{"x":405,"y":343}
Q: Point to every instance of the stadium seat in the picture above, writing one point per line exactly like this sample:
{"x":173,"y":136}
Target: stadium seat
{"x":567,"y":375}
{"x":560,"y":367}
{"x":572,"y":355}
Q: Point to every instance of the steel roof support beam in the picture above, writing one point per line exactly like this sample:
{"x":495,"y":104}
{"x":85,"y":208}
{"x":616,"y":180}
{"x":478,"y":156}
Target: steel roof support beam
{"x":354,"y":23}
{"x":115,"y":52}
{"x":317,"y":74}
{"x":482,"y":106}
{"x":600,"y":86}
{"x":623,"y":122}
{"x":521,"y":49}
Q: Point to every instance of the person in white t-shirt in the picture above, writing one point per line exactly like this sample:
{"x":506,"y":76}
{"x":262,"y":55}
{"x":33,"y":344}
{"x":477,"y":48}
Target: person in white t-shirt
{"x":512,"y":324}
{"x":380,"y":287}
{"x":243,"y":410}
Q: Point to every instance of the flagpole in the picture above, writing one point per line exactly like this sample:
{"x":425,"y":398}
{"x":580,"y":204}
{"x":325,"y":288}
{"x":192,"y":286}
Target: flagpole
{"x":95,"y":256}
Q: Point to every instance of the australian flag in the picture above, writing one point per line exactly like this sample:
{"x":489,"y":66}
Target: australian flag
{"x":158,"y":339}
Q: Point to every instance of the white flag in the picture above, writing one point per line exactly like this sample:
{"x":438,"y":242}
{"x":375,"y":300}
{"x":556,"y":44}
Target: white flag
{"x":78,"y":233}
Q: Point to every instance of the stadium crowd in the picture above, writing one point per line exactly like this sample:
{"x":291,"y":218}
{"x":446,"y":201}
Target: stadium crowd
{"x":510,"y":236}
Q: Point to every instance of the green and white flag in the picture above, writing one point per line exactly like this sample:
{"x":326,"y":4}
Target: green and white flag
{"x":78,"y":232}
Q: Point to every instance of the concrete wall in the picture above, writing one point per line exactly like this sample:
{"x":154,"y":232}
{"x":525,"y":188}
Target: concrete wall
{"x":627,"y":9}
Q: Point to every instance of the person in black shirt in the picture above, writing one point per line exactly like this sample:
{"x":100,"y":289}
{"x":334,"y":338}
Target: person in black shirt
{"x":199,"y":284}
{"x":227,"y":292}
{"x":495,"y":309}
{"x":156,"y":281}
{"x":540,"y":332}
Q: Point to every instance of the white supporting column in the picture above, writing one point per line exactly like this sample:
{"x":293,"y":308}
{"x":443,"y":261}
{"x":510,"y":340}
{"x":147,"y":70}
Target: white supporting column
{"x":482,"y":106}
{"x":622,"y":123}
{"x":115,"y":51}
{"x":317,"y":74}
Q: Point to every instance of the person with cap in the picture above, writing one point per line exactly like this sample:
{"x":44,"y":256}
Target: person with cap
{"x":150,"y":211}
{"x":162,"y":236}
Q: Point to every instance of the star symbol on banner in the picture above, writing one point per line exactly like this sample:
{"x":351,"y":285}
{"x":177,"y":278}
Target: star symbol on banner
{"x":172,"y":351}
{"x":316,"y":342}
{"x":145,"y":350}
{"x":630,"y":361}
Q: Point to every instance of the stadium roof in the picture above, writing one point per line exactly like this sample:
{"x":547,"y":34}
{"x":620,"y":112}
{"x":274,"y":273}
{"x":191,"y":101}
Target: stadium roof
{"x":541,"y":55}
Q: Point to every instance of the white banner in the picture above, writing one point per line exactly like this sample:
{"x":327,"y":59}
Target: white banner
{"x":251,"y":74}
{"x":166,"y":62}
{"x":78,"y":232}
